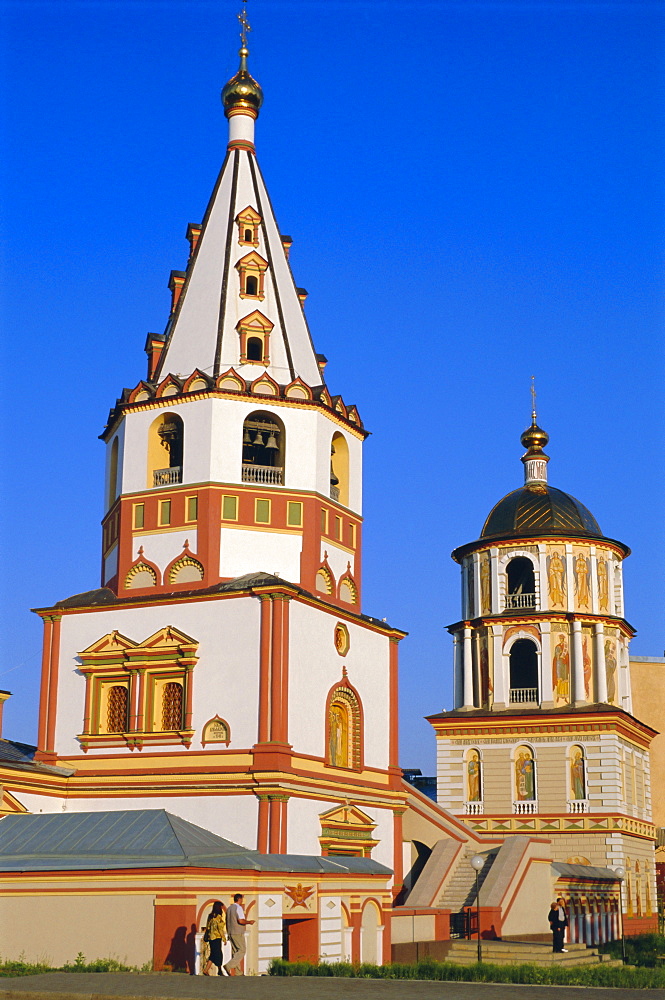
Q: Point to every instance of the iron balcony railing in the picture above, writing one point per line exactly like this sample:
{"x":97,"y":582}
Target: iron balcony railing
{"x":515,"y":602}
{"x":167,"y":477}
{"x":264,"y":475}
{"x":524,"y":696}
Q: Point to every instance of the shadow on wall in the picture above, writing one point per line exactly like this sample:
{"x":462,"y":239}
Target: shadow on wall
{"x":182,"y":951}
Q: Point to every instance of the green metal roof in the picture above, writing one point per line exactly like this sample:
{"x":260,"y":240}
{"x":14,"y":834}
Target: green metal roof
{"x":142,"y":838}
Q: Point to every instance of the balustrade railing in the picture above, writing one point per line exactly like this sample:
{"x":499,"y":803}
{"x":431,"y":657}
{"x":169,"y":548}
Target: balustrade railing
{"x":524,"y":696}
{"x":525,"y":808}
{"x":264,"y":475}
{"x":513,"y":602}
{"x":473,"y":808}
{"x":167,"y":477}
{"x":578,"y":806}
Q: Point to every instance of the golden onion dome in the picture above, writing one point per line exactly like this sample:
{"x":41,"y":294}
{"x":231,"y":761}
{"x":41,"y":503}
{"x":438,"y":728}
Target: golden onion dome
{"x":242,"y":90}
{"x":534,"y":436}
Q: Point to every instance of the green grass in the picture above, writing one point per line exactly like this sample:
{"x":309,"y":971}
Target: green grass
{"x":641,"y":950}
{"x":595,"y":975}
{"x":20,"y":967}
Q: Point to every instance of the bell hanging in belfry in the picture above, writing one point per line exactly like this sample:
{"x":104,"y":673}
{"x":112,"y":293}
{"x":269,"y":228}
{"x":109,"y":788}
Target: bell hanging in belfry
{"x":271,"y":442}
{"x":258,"y":440}
{"x":246,"y":439}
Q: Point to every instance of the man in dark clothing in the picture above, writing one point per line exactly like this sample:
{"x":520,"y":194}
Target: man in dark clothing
{"x":558,"y":920}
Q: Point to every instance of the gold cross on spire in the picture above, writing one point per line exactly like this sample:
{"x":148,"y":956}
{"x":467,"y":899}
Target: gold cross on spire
{"x":245,"y":26}
{"x":533,"y":398}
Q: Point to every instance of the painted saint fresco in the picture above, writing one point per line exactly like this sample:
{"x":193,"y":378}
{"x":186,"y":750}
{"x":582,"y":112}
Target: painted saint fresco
{"x":556,"y":579}
{"x":582,"y":571}
{"x":577,"y":775}
{"x":473,"y":784}
{"x":603,"y":586}
{"x":525,"y":775}
{"x":485,"y":586}
{"x":611,"y":671}
{"x":339,"y":735}
{"x":486,"y":686}
{"x":586,"y":658}
{"x":561,"y":670}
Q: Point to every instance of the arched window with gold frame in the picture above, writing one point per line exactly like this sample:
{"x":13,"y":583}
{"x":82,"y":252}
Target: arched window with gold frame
{"x":344,"y":727}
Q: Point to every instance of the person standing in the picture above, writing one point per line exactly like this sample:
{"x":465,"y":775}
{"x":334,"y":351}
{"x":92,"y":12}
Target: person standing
{"x":558,"y":920}
{"x":236,"y":922}
{"x":215,"y":934}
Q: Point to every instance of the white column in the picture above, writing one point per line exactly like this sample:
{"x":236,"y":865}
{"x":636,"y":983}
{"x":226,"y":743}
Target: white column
{"x":494,"y":575}
{"x":499,"y":682}
{"x":468,"y":669}
{"x":379,"y":945}
{"x":579,"y":694}
{"x":601,"y":672}
{"x":546,"y":693}
{"x":458,"y":671}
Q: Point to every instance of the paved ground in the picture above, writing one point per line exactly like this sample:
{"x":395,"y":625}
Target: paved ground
{"x":99,"y":986}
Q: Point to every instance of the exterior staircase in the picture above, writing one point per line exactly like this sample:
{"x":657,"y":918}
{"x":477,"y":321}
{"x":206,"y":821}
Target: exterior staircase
{"x":521,"y":952}
{"x":460,"y":890}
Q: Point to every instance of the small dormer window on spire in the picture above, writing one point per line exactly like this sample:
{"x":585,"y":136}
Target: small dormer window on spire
{"x":252,"y":269}
{"x":248,"y":227}
{"x":254,"y":331}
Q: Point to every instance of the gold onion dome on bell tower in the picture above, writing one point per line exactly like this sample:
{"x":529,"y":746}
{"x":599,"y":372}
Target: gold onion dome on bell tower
{"x":534,"y":438}
{"x":242,"y":94}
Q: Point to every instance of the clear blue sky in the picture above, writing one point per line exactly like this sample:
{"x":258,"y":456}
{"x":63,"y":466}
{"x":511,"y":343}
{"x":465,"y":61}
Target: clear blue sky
{"x":475,"y":195}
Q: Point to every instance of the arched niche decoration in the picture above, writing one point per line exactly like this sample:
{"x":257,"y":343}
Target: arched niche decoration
{"x":344,"y":726}
{"x":473,"y":775}
{"x":325,"y":578}
{"x":185,"y":568}
{"x":230,"y":381}
{"x":142,"y":574}
{"x":524,"y":763}
{"x":263,"y":449}
{"x":216,"y":730}
{"x":577,"y":773}
{"x":166,"y":449}
{"x":198,"y":381}
{"x":339,"y":469}
{"x":298,"y":390}
{"x":370,"y":949}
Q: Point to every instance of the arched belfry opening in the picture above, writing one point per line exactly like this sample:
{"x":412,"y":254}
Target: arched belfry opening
{"x":339,"y":469}
{"x":524,"y":672}
{"x":263,"y":449}
{"x":521,"y":580}
{"x":166,"y":449}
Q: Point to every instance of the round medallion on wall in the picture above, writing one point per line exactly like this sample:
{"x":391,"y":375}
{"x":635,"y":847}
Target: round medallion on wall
{"x":342,"y":641}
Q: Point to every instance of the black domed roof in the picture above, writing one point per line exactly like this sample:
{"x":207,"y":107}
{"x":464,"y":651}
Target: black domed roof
{"x":541,"y":511}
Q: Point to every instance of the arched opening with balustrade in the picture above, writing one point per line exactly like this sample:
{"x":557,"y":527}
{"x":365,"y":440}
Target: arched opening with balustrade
{"x":520,"y":584}
{"x":166,"y":448}
{"x":263,"y":449}
{"x":524,"y":672}
{"x":339,"y":469}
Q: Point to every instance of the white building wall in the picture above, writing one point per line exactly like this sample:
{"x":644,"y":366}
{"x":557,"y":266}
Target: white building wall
{"x":243,"y":550}
{"x":225,"y":679}
{"x":315,"y":666}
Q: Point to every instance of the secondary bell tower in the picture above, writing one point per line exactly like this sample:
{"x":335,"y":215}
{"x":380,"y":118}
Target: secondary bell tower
{"x":232,"y":456}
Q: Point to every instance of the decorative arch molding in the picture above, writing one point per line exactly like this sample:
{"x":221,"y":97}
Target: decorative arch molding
{"x":344,"y":726}
{"x":298,"y":390}
{"x":248,"y":222}
{"x":143,"y":392}
{"x":264,"y":385}
{"x":230,"y":381}
{"x":142,"y":574}
{"x":198,"y":381}
{"x":347,"y":591}
{"x":170,"y":386}
{"x":325,"y":578}
{"x":184,"y":569}
{"x":516,"y":632}
{"x":255,"y":326}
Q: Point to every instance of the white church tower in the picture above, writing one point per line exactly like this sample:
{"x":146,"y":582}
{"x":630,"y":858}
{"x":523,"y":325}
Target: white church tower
{"x":224,"y":670}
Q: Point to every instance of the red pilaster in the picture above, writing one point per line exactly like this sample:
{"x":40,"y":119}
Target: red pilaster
{"x":53,"y":685}
{"x":398,"y":857}
{"x":276,"y":671}
{"x":262,"y":835}
{"x":275,"y":812}
{"x":44,"y":690}
{"x":264,"y":675}
{"x":284,"y":725}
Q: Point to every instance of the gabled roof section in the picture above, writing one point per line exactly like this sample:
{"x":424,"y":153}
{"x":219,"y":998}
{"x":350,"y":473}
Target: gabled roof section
{"x":202,"y":331}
